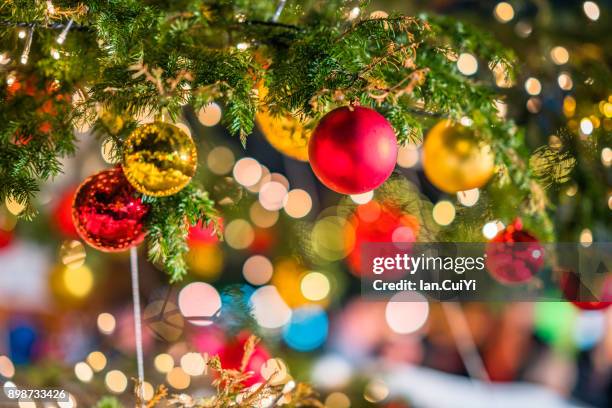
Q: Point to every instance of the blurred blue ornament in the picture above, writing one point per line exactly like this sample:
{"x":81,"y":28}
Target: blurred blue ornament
{"x":23,"y":339}
{"x":590,"y":329}
{"x":307,"y":329}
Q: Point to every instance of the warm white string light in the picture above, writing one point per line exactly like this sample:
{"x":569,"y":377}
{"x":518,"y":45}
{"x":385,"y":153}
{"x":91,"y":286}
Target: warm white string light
{"x":62,"y":37}
{"x":25,"y":55}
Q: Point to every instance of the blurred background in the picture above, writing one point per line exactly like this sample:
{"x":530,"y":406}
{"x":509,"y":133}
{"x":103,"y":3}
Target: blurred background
{"x":290,"y":253}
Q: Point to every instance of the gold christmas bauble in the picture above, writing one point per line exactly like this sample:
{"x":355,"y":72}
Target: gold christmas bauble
{"x":159,"y":159}
{"x":454,"y":160}
{"x":286,"y":133}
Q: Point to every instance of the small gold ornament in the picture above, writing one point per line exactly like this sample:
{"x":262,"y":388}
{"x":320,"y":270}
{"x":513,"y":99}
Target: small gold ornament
{"x":159,"y":159}
{"x":286,"y":133}
{"x":454,"y":160}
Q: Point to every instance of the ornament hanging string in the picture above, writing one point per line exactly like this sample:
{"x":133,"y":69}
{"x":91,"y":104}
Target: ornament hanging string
{"x":465,"y":342}
{"x":137,"y":323}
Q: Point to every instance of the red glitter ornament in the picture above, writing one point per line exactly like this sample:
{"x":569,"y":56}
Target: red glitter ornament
{"x":514,"y":255}
{"x":107,"y":212}
{"x":377,"y":222}
{"x":575,"y":291}
{"x":353,"y":150}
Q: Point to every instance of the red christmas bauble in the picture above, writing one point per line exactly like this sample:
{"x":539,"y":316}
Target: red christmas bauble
{"x":514,"y":255}
{"x":353,"y":150}
{"x":377,"y":222}
{"x":231,"y":358}
{"x":575,"y":291}
{"x":62,"y":214}
{"x":108,"y":213}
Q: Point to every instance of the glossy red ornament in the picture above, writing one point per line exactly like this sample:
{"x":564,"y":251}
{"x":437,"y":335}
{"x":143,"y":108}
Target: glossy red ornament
{"x":514,"y":255}
{"x":377,"y":222}
{"x":108,"y":213}
{"x":575,"y":291}
{"x":62,"y":214}
{"x":233,"y":351}
{"x":353,"y":150}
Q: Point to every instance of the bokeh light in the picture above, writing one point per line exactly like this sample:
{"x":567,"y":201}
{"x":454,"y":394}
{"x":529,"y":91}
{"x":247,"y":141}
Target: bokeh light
{"x":200,"y":303}
{"x":210,"y":115}
{"x":337,"y":400}
{"x":533,"y":86}
{"x":269,"y":308}
{"x":559,"y":55}
{"x":408,"y":155}
{"x":261,"y":217}
{"x":72,"y":254}
{"x":468,"y":198}
{"x":106,"y":323}
{"x":586,"y":126}
{"x":116,"y":381}
{"x":220,"y":160}
{"x":503,"y":12}
{"x":78,"y":282}
{"x":444,"y":212}
{"x":83,"y":372}
{"x":193,"y":364}
{"x":328,"y":238}
{"x":376,"y":391}
{"x":606,"y":156}
{"x":297,"y":203}
{"x":257,"y":270}
{"x":272,"y":195}
{"x":586,"y":237}
{"x":96,"y":360}
{"x":331,"y":363}
{"x":7,"y":369}
{"x":315,"y":286}
{"x":247,"y":171}
{"x":307,"y":329}
{"x":467,"y":64}
{"x":178,"y":379}
{"x":565,"y":81}
{"x":362,"y":198}
{"x":239,"y":234}
{"x":591,"y":10}
{"x":163,"y":363}
{"x":406,"y":312}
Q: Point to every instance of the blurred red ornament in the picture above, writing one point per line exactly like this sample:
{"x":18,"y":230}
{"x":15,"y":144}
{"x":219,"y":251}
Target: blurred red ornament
{"x":200,"y":234}
{"x":581,"y":296}
{"x":514,"y":255}
{"x":5,"y":238}
{"x":62,"y":214}
{"x":353,"y":150}
{"x":41,"y":96}
{"x":377,"y":222}
{"x":107,"y":212}
{"x":232,"y":353}
{"x":263,"y":240}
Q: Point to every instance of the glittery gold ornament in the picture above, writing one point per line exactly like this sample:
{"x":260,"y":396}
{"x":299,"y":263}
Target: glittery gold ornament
{"x":453,"y":160}
{"x":286,"y":133}
{"x":159,"y":159}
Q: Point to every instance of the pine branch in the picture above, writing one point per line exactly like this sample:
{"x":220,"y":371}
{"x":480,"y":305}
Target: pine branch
{"x":168,"y":227}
